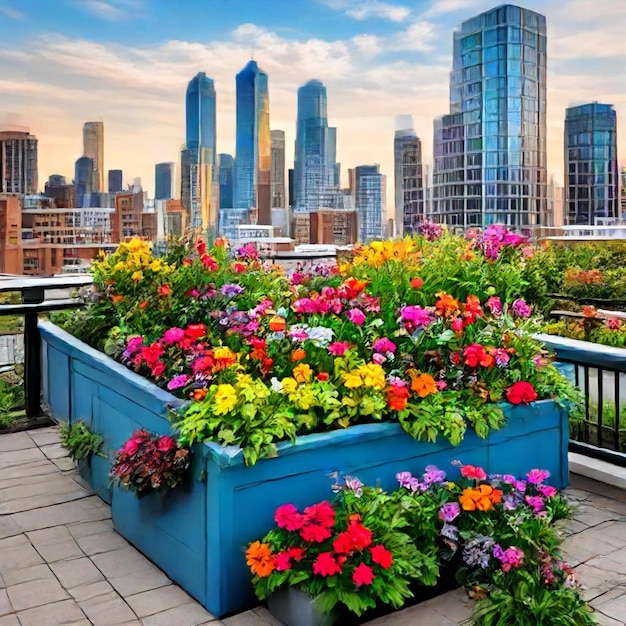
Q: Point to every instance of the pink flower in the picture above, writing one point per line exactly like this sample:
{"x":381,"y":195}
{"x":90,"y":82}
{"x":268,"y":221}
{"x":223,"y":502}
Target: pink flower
{"x":537,"y":476}
{"x":457,"y":324}
{"x":472,"y":471}
{"x":356,"y":316}
{"x":384,"y":345}
{"x":416,"y":315}
{"x":178,"y":381}
{"x":338,"y":348}
{"x":612,"y":323}
{"x":536,"y":503}
{"x":378,"y":358}
{"x":165,"y":444}
{"x":173,"y":335}
{"x":547,"y":491}
{"x":520,"y":308}
{"x":132,"y":445}
{"x":495,"y":305}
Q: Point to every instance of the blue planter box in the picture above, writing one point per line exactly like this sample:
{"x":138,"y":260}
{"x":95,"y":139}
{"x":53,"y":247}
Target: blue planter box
{"x":197,"y":534}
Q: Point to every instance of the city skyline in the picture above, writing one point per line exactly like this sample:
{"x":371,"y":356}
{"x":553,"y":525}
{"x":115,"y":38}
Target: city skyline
{"x":376,"y":59}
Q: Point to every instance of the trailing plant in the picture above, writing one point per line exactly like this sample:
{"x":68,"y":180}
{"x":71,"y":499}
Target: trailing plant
{"x":79,"y":441}
{"x":11,"y":399}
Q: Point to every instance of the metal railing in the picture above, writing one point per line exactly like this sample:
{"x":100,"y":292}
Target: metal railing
{"x":33,"y":303}
{"x":599,"y":371}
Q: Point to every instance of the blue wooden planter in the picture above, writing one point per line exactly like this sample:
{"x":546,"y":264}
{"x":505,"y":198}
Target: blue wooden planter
{"x":197,"y":534}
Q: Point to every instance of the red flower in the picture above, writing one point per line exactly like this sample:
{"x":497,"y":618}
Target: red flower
{"x":165,"y":444}
{"x":282,"y":561}
{"x":381,"y":556}
{"x":143,"y":304}
{"x":196,"y":330}
{"x":157,"y":368}
{"x":361,"y":537}
{"x":472,"y":309}
{"x":209,"y":262}
{"x":417,"y":283}
{"x":201,"y":247}
{"x":297,"y":554}
{"x":363,"y":575}
{"x":521,"y":393}
{"x":343,"y":543}
{"x":397,"y":397}
{"x":326,"y":565}
{"x":323,"y":376}
{"x":476,"y":355}
{"x":287,"y":517}
{"x":472,"y":471}
{"x":313,"y":533}
{"x":322,"y":514}
{"x":131,"y":446}
{"x":165,"y":290}
{"x":239,"y":267}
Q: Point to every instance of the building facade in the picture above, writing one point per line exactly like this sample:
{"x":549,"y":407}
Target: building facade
{"x":490,"y":163}
{"x":370,"y":190}
{"x":253,"y":143}
{"x":164,"y":178}
{"x":408,"y":182}
{"x":83,"y":181}
{"x":227,"y":181}
{"x":116,"y":182}
{"x":278,"y":169}
{"x":591,"y":170}
{"x":93,"y":148}
{"x":18,"y":162}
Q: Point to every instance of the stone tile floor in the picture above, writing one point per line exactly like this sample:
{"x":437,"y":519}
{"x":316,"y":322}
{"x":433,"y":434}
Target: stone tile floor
{"x":61,"y":561}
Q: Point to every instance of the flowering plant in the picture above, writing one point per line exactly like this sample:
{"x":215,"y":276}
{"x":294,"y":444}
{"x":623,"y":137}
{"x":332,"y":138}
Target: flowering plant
{"x":148,"y":463}
{"x":353,"y":553}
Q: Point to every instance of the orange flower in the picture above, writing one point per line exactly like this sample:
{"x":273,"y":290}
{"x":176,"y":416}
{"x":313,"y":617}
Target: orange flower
{"x":446,"y":305}
{"x":278,"y":324}
{"x":117,"y":298}
{"x":165,"y":290}
{"x":417,"y":283}
{"x":220,"y":242}
{"x":298,"y":355}
{"x":143,"y":305}
{"x":397,"y":397}
{"x":423,"y":385}
{"x":480,"y":498}
{"x":302,"y":373}
{"x":199,"y":394}
{"x":260,"y":559}
{"x":468,"y":255}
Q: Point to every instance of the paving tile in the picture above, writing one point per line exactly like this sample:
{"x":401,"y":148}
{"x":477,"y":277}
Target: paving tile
{"x":40,"y":467}
{"x":12,"y":458}
{"x":76,"y":572}
{"x":614,"y":562}
{"x":36,"y":593}
{"x":30,"y":486}
{"x":5,"y":605}
{"x":16,"y":441}
{"x":8,"y":527}
{"x":592,"y":516}
{"x":454,"y":605}
{"x":186,"y":615}
{"x":84,"y":529}
{"x":603,"y":620}
{"x":102,"y":542}
{"x":597,"y":581}
{"x":9,"y":620}
{"x":79,"y":511}
{"x":17,"y":553}
{"x":65,"y":464}
{"x":65,"y":612}
{"x":256,"y":617}
{"x":55,"y":544}
{"x":35,"y":572}
{"x":585,"y":546}
{"x":54,"y":451}
{"x":418,"y":614}
{"x":131,"y":584}
{"x":44,"y":500}
{"x":157,"y":600}
{"x":126,"y":560}
{"x":612,"y":603}
{"x":88,"y":591}
{"x":108,"y":610}
{"x":45,"y":436}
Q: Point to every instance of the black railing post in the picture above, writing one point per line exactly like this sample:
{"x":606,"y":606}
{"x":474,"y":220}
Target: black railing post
{"x":32,"y":353}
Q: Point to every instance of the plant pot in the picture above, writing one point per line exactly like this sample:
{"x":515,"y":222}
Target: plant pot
{"x":293,"y":607}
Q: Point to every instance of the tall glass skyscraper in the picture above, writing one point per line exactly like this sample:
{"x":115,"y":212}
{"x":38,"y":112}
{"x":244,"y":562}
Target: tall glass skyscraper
{"x":591,"y":170}
{"x":115,"y":181}
{"x":83,"y":181}
{"x":316,"y":174}
{"x":164,"y":178}
{"x":93,"y":148}
{"x":409,"y":179}
{"x":490,"y":150}
{"x":253,"y":145}
{"x":227,"y":175}
{"x":370,"y":187}
{"x":199,"y":179}
{"x":278,"y":169}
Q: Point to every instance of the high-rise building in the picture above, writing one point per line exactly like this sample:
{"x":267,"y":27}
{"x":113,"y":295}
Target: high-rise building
{"x":18,"y":162}
{"x":278,"y":169}
{"x":316,"y":174}
{"x":623,"y":193}
{"x":291,"y":193}
{"x":93,"y":148}
{"x":199,"y":180}
{"x":227,"y":179}
{"x":164,"y":178}
{"x":591,"y":171}
{"x":490,"y":150}
{"x":116,"y":181}
{"x":83,"y":181}
{"x":11,"y":253}
{"x":253,"y":148}
{"x":409,"y":179}
{"x":63,"y":194}
{"x":370,"y":186}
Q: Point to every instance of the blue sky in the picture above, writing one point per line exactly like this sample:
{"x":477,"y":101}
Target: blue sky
{"x":127,"y":62}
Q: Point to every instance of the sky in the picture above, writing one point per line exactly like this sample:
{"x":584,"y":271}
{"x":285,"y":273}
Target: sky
{"x":128,"y":62}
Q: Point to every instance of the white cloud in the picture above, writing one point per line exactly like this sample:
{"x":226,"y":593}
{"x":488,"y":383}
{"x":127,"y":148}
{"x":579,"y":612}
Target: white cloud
{"x":370,"y":9}
{"x":12,"y":12}
{"x":419,"y":36}
{"x":113,"y":10}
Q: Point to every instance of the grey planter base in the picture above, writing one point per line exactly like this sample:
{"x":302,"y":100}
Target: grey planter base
{"x":293,"y":607}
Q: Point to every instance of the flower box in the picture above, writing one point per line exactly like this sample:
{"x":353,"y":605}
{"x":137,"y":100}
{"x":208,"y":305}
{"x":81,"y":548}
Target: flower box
{"x":197,"y":534}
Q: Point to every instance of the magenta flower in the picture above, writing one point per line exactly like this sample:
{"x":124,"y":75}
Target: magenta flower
{"x":613,"y":323}
{"x":173,"y":335}
{"x":338,"y":348}
{"x":449,"y":512}
{"x":495,"y":305}
{"x":166,"y":443}
{"x":510,"y":558}
{"x":178,"y":381}
{"x":384,"y":345}
{"x":536,"y":503}
{"x":537,"y":476}
{"x":416,"y":315}
{"x":502,"y":357}
{"x":433,"y":475}
{"x":231,"y":290}
{"x":547,"y":491}
{"x":378,"y":358}
{"x":356,"y":316}
{"x":520,"y":308}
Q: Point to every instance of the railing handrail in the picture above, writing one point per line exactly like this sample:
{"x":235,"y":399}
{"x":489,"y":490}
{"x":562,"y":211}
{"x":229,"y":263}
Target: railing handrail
{"x":577,"y":351}
{"x":63,"y":281}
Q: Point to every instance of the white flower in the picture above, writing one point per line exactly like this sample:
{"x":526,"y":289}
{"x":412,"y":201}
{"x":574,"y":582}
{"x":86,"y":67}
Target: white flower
{"x":277,"y":386}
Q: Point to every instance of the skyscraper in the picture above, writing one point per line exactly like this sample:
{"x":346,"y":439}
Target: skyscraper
{"x":227,"y":175}
{"x":409,"y":179}
{"x":316,"y":174}
{"x":370,"y":187}
{"x":115,"y":181}
{"x":199,"y":181}
{"x":490,"y":150}
{"x":93,"y":148}
{"x":278,"y":169}
{"x":164,"y":177}
{"x":253,"y":157}
{"x":18,"y":162}
{"x":83,"y":181}
{"x":591,"y":171}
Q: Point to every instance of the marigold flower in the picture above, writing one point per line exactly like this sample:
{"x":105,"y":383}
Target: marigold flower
{"x":424,"y":385}
{"x":373,"y":375}
{"x":137,"y":276}
{"x":199,"y":394}
{"x":260,"y":559}
{"x":298,"y":355}
{"x":481,"y":498}
{"x":116,"y":298}
{"x":446,"y":305}
{"x":397,"y":397}
{"x":302,"y":373}
{"x":352,"y":380}
{"x":277,"y":324}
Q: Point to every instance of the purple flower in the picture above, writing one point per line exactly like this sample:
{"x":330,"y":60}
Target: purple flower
{"x":502,"y":357}
{"x":511,"y":502}
{"x":178,"y":381}
{"x":134,"y":344}
{"x":536,"y":503}
{"x":520,"y":308}
{"x":408,"y":481}
{"x":231,"y":290}
{"x":477,"y":552}
{"x":449,"y":512}
{"x":356,"y":316}
{"x":537,"y":476}
{"x":433,"y":475}
{"x":354,"y":485}
{"x":416,"y":315}
{"x":450,"y":531}
{"x":384,"y":345}
{"x":546,"y":491}
{"x":173,"y":335}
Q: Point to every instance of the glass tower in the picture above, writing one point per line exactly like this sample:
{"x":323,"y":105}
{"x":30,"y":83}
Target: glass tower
{"x":253,"y":145}
{"x":316,"y":174}
{"x":278,"y":169}
{"x":490,"y":150}
{"x":227,"y":174}
{"x":408,"y":179}
{"x":591,"y":170}
{"x":370,"y":188}
{"x":93,"y":148}
{"x":115,"y":181}
{"x":83,"y":180}
{"x":164,"y":181}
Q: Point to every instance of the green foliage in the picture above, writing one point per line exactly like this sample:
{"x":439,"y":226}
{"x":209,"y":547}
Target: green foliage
{"x":11,"y":399}
{"x":79,"y":441}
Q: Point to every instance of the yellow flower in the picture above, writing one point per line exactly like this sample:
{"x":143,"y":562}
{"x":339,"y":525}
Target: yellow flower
{"x":289,"y":385}
{"x":120,"y":266}
{"x":135,"y":244}
{"x":225,"y":399}
{"x":373,"y":376}
{"x":352,"y":380}
{"x":156,"y":265}
{"x":223,"y":352}
{"x":302,"y":373}
{"x":137,"y":276}
{"x":304,"y":399}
